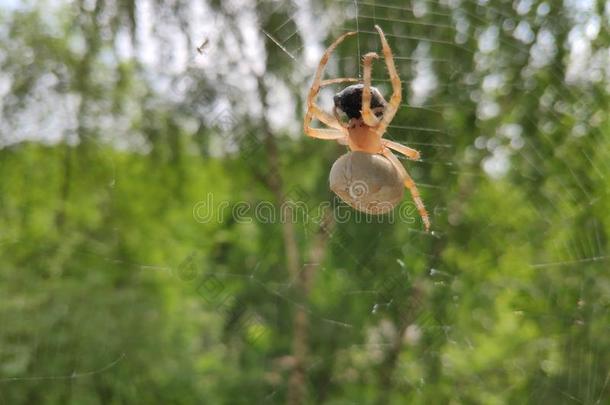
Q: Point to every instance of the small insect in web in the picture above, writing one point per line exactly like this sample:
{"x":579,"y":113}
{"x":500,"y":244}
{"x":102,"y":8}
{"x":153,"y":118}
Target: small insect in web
{"x":370,"y":177}
{"x":203,"y":46}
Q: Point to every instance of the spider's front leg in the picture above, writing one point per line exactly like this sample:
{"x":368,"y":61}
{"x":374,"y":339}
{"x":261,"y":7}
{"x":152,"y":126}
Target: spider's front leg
{"x":321,"y":115}
{"x":313,"y":110}
{"x":410,"y":184}
{"x":394,"y":103}
{"x":328,"y":82}
{"x":367,"y":114}
{"x":324,"y":133}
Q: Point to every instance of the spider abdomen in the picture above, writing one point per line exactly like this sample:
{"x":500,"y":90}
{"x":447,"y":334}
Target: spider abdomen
{"x":367,"y":182}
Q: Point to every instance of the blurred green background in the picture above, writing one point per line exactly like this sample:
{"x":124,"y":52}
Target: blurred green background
{"x":144,"y":259}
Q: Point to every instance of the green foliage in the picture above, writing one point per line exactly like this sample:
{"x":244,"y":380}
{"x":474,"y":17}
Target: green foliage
{"x":143,"y":255}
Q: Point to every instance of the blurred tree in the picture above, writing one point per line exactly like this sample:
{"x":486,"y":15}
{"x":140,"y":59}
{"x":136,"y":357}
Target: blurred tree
{"x":145,"y":259}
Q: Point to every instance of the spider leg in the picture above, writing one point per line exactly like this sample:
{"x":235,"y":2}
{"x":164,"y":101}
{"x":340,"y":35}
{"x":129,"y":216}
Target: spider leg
{"x":367,"y":115}
{"x":410,"y":184}
{"x":324,"y":133}
{"x":338,"y":80}
{"x":394,"y":103}
{"x":313,"y":110}
{"x":322,"y":115}
{"x":405,"y":150}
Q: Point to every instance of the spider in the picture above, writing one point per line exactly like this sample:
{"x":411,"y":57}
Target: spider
{"x":368,"y":113}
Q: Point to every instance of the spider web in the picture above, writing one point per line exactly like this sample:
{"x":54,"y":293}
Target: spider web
{"x":429,"y":29}
{"x":417,"y":70}
{"x":381,"y":294}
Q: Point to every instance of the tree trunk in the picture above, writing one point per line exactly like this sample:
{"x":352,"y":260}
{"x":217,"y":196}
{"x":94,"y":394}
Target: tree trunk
{"x":303,"y":275}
